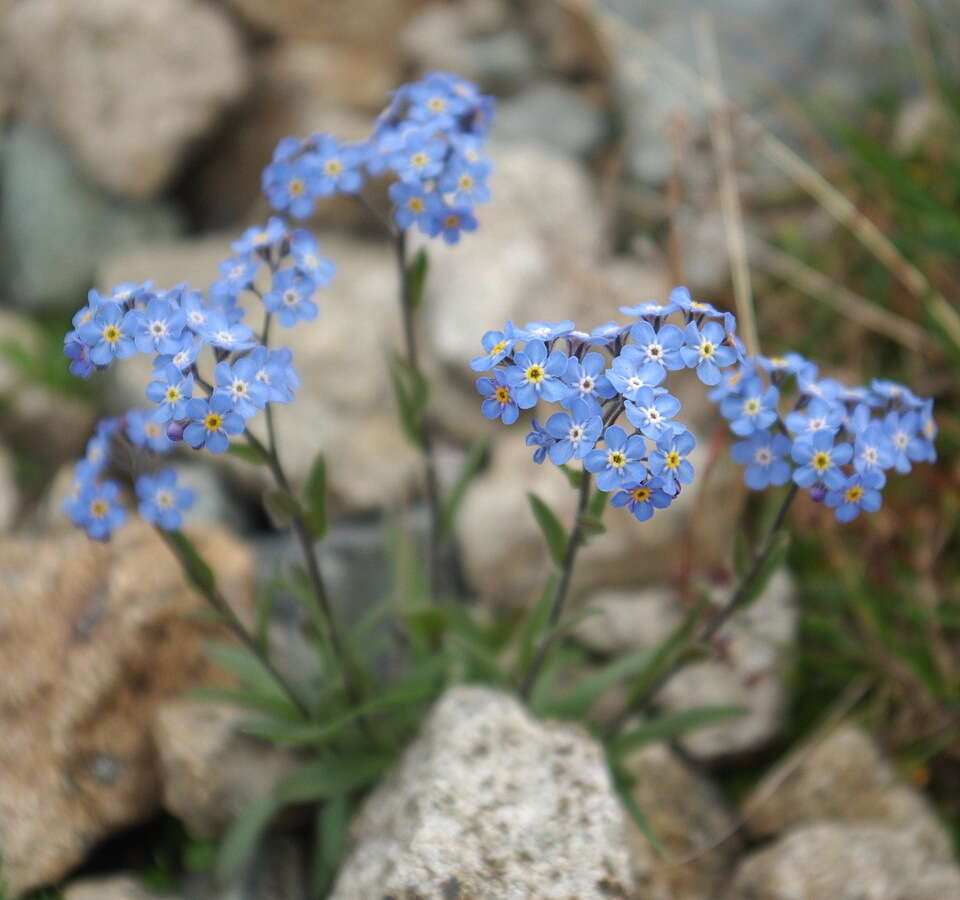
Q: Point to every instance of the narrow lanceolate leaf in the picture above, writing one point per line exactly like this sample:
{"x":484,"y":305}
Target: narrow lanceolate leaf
{"x":248,"y":669}
{"x":410,"y":390}
{"x":248,"y":453}
{"x":553,"y":531}
{"x":195,"y":566}
{"x":282,"y":506}
{"x":472,"y":465}
{"x":329,"y":777}
{"x":243,"y":836}
{"x":534,"y":624}
{"x":416,"y":276}
{"x":315,"y":497}
{"x":674,"y":725}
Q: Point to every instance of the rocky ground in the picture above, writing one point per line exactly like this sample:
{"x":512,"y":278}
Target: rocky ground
{"x":133,"y":136}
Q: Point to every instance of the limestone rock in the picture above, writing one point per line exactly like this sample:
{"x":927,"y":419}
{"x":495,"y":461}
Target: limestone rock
{"x":211,"y":771}
{"x":749,"y":671}
{"x":116,"y":887}
{"x":489,"y":803}
{"x":846,"y":862}
{"x":842,"y":778}
{"x":129,"y":85}
{"x":93,"y":637}
{"x":55,"y":225}
{"x":688,"y":814}
{"x":344,"y":406}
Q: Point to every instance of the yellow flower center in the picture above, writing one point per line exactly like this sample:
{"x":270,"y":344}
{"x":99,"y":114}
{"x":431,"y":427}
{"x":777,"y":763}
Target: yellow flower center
{"x":696,"y":304}
{"x":333,"y":167}
{"x":706,"y":349}
{"x":111,"y":334}
{"x":416,"y":204}
{"x":153,"y":429}
{"x":419,"y":160}
{"x":853,"y":494}
{"x":213,"y":421}
{"x":99,"y":508}
{"x":498,"y":348}
{"x":617,"y":459}
{"x":164,"y":499}
{"x":535,"y":374}
{"x":751,"y":407}
{"x":173,"y":394}
{"x":821,"y":461}
{"x":777,"y":362}
{"x":296,"y":187}
{"x":502,"y":394}
{"x":673,"y":460}
{"x":451,"y":221}
{"x":465,"y":182}
{"x":436,"y":104}
{"x":641,"y":494}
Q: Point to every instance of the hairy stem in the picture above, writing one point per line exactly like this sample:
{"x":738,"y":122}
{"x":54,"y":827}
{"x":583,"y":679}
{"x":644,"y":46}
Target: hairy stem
{"x":225,"y":611}
{"x":431,"y":481}
{"x":715,"y":622}
{"x":556,"y":610}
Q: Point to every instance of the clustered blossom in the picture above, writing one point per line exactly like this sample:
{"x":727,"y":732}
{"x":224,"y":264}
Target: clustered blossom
{"x":430,"y":138}
{"x":616,"y":418}
{"x":838,"y":442}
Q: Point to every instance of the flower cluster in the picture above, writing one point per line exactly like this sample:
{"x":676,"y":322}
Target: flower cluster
{"x":430,"y":137}
{"x":838,"y":442}
{"x":613,"y":373}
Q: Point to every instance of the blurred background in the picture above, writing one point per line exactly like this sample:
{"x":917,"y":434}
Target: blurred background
{"x":802,"y":154}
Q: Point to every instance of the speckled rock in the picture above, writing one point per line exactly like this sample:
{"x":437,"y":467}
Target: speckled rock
{"x":489,"y":803}
{"x":211,"y":771}
{"x":128,"y":85}
{"x":691,"y":819}
{"x":846,"y":862}
{"x":93,"y":637}
{"x":842,"y":777}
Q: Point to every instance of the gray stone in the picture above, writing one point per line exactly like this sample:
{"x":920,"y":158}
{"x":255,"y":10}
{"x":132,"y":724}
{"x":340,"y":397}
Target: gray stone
{"x":553,"y":115}
{"x":750,"y":671}
{"x":689,"y":816}
{"x":129,"y":85}
{"x":842,"y":777}
{"x":488,"y":802}
{"x":277,"y":871}
{"x":210,"y":770}
{"x":846,"y":862}
{"x":55,"y":225}
{"x":114,"y":887}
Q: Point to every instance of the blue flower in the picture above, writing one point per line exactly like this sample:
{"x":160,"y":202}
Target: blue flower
{"x":171,"y":389}
{"x":289,"y":298}
{"x":261,"y":238}
{"x":546,"y":331}
{"x":535,"y":375}
{"x":893,"y":391}
{"x":145,"y":431}
{"x":79,"y":355}
{"x":498,"y":345}
{"x":97,"y":510}
{"x":661,"y":347}
{"x":670,"y":462}
{"x":681,"y":299}
{"x":451,"y":221}
{"x":575,"y":432}
{"x":420,"y":158}
{"x":274,"y":368}
{"x":238,"y":384}
{"x":162,"y":501}
{"x":238,"y":274}
{"x":220,"y":332}
{"x":704,"y":349}
{"x":789,"y":364}
{"x":852,"y":495}
{"x":109,"y":335}
{"x":414,"y":204}
{"x":434,"y":102}
{"x":818,"y":415}
{"x":621,"y":463}
{"x":651,"y":411}
{"x":465,"y":183}
{"x":212,"y":423}
{"x":499,"y":402}
{"x":764,"y":455}
{"x":606,"y":334}
{"x":587,"y":380}
{"x":928,"y":431}
{"x":873,"y":454}
{"x":540,"y":438}
{"x":630,"y":372}
{"x":642,"y":499}
{"x":307,"y":260}
{"x":908,"y":448}
{"x":293,"y":187}
{"x":651,"y":309}
{"x":158,"y":327}
{"x":819,"y":460}
{"x":97,"y":452}
{"x":751,"y":408}
{"x":84,"y":476}
{"x":195,"y":311}
{"x":338,"y":165}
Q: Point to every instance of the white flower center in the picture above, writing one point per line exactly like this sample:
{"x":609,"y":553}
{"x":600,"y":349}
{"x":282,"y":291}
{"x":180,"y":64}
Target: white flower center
{"x":900,"y":440}
{"x":586,"y":385}
{"x":164,"y":499}
{"x":575,"y":434}
{"x":763,"y":456}
{"x":654,"y":352}
{"x":223,"y":337}
{"x":870,"y":456}
{"x":158,"y":329}
{"x":817,"y":424}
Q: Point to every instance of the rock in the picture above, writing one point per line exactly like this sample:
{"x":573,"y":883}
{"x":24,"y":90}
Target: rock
{"x":488,"y":802}
{"x":841,"y":778}
{"x":9,"y":499}
{"x":749,"y":671}
{"x":94,"y":637}
{"x":345,"y":397}
{"x":553,"y":115}
{"x":55,"y":225}
{"x":117,"y":887}
{"x":846,"y":862}
{"x":343,"y":21}
{"x":130,"y":86}
{"x":687,"y":813}
{"x":210,"y":770}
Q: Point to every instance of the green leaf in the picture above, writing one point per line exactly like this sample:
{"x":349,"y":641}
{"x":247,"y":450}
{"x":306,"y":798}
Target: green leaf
{"x":194,"y":565}
{"x":775,"y":558}
{"x":326,"y":778}
{"x":331,"y":837}
{"x":590,"y":527}
{"x":282,"y":506}
{"x":248,"y":453}
{"x":243,"y":836}
{"x":575,"y":702}
{"x":416,"y":276}
{"x":553,"y":531}
{"x":623,"y":782}
{"x":531,"y":631}
{"x":475,"y":461}
{"x":271,"y":705}
{"x":574,"y":476}
{"x":411,"y":392}
{"x":315,"y":497}
{"x":598,"y":504}
{"x":672,"y":725}
{"x":250,"y":670}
